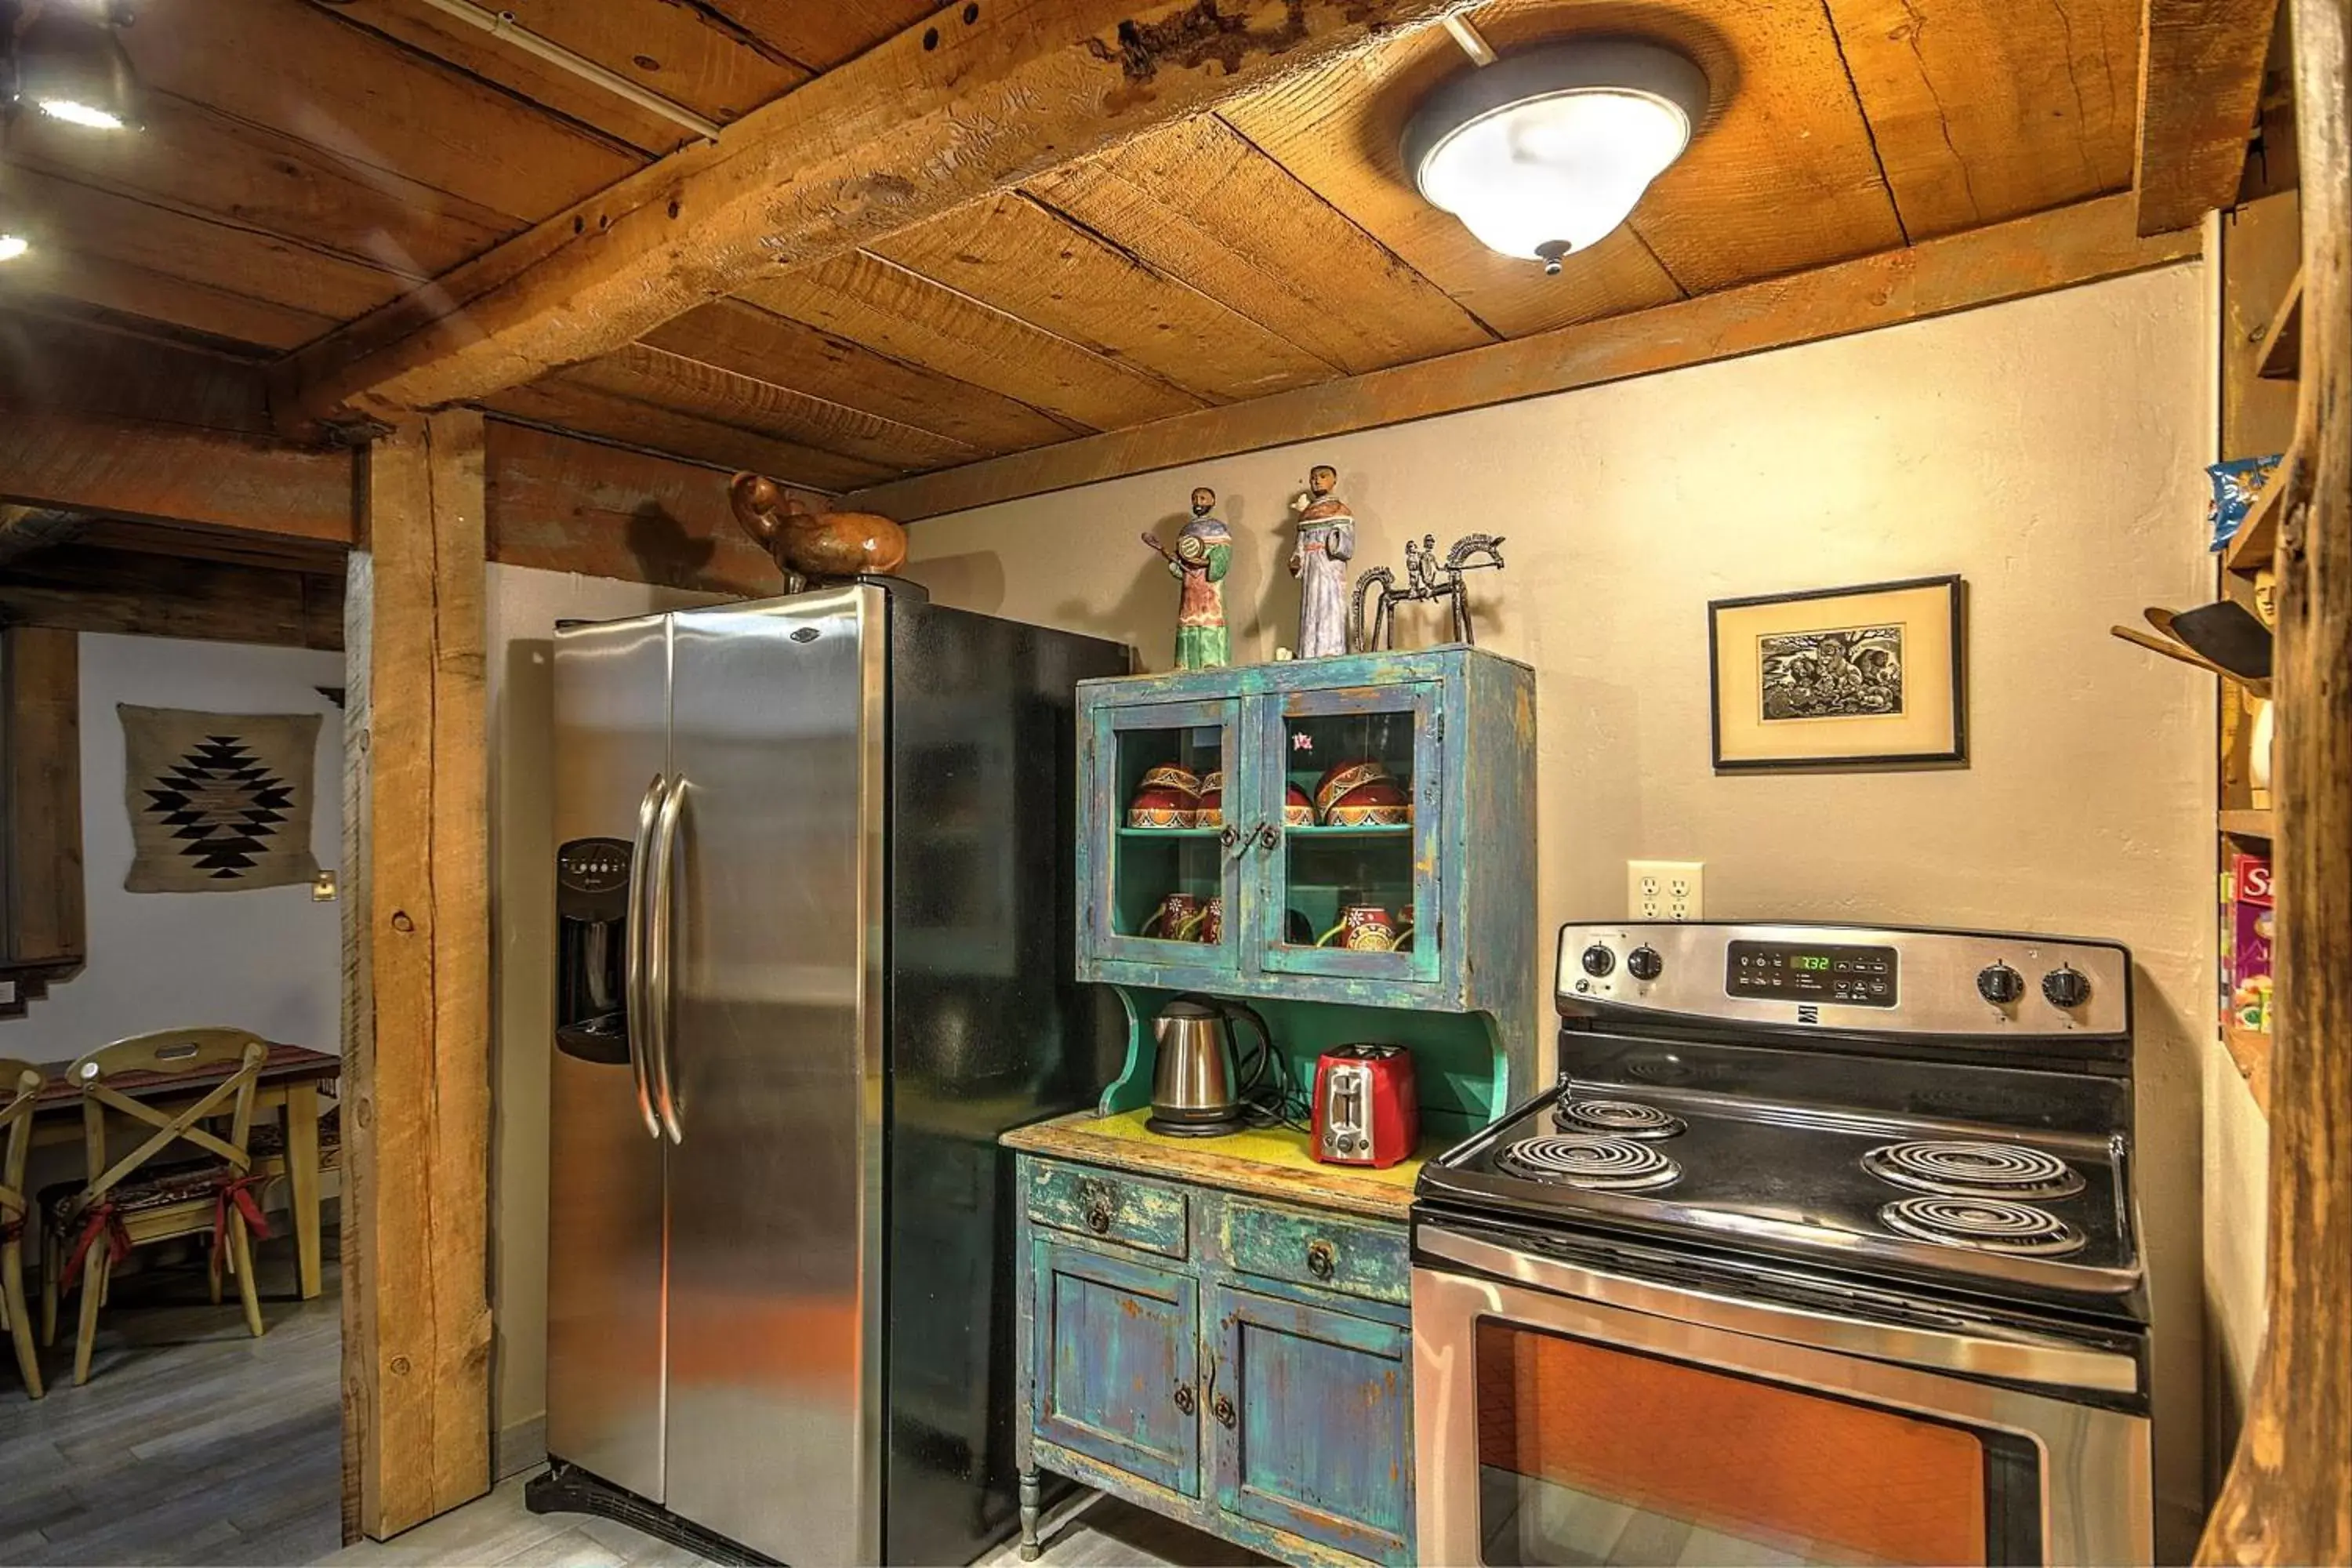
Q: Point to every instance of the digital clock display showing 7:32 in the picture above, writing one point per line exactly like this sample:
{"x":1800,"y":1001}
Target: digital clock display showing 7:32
{"x":1814,"y":961}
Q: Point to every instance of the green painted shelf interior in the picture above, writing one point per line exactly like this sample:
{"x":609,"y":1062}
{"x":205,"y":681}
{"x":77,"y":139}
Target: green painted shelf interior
{"x":1458,"y":1065}
{"x":1170,"y":832}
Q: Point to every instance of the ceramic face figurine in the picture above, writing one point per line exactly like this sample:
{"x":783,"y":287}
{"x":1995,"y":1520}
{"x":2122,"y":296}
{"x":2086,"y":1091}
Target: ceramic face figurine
{"x":1204,"y":551}
{"x":1327,"y":542}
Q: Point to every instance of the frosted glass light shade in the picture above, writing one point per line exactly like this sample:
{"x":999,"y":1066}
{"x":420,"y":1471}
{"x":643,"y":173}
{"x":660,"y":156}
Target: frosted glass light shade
{"x":13,"y":246}
{"x":1544,"y":152}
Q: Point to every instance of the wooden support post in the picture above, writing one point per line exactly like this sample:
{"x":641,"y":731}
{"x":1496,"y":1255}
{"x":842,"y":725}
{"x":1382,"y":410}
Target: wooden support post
{"x":2289,"y":1495}
{"x":40,"y":799}
{"x":416,"y":1318}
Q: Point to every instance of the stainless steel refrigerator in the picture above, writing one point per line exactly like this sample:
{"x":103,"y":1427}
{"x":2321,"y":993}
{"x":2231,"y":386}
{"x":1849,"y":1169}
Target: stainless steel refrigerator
{"x":815,"y":892}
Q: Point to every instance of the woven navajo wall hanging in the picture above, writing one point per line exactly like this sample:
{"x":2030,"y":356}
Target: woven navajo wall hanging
{"x":219,"y":803}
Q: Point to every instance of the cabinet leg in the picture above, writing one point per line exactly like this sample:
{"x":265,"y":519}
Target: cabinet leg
{"x":1029,"y":1510}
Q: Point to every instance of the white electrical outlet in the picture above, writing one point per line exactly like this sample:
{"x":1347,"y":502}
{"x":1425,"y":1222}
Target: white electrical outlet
{"x":1666,"y":890}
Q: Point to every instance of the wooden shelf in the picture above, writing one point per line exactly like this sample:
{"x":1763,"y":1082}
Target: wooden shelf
{"x":2247,"y":822}
{"x":2251,"y":1051}
{"x":2252,"y":547}
{"x":2278,"y":355}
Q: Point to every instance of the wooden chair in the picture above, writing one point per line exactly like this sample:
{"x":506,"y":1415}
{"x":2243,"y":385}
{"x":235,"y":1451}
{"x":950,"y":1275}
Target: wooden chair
{"x":20,"y":1084}
{"x":95,"y":1225}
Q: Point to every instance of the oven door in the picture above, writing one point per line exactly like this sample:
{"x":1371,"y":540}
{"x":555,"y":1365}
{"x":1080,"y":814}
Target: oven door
{"x":1569,"y":1415}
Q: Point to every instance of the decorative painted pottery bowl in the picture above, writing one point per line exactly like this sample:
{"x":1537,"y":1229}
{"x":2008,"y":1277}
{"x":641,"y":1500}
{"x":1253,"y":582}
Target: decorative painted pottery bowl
{"x":1212,"y":812}
{"x":1298,"y":811}
{"x":1361,"y":795}
{"x":1168,"y":797}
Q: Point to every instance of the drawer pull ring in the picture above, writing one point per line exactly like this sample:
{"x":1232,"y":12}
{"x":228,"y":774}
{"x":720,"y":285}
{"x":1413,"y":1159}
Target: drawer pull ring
{"x":1268,"y":836}
{"x":1184,"y":1400}
{"x":1100,"y":1206}
{"x":1322,"y":1259}
{"x":1230,"y":837}
{"x":1222,"y":1410}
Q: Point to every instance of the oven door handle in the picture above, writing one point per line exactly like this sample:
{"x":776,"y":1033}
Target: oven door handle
{"x":2010,"y":1354}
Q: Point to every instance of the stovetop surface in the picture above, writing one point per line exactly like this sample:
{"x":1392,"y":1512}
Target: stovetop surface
{"x":1788,"y":1176}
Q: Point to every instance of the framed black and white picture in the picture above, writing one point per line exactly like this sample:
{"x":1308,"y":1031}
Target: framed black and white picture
{"x":1866,"y":677}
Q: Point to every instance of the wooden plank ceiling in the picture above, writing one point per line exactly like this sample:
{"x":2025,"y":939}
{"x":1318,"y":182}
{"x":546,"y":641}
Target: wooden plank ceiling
{"x":308,"y":161}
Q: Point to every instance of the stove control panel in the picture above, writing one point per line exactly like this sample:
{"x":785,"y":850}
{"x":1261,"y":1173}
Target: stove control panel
{"x":1860,"y":979}
{"x":1813,"y":972}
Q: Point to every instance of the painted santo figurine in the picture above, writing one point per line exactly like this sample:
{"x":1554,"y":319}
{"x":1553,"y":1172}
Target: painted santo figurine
{"x":1204,"y":552}
{"x":1327,"y":542}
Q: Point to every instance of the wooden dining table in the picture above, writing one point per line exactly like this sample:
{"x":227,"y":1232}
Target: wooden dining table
{"x":288,"y":1089}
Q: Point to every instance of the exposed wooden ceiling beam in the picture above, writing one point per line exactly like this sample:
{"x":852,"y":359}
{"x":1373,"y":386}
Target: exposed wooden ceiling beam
{"x":2200,"y":81}
{"x":973,"y":101}
{"x":77,"y":588}
{"x":26,"y":529}
{"x":2027,"y":256}
{"x":173,"y":474}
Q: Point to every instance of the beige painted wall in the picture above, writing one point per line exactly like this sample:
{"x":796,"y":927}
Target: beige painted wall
{"x":522,"y":607}
{"x":2047,"y":449}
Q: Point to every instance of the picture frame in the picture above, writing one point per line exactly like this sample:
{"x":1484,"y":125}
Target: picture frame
{"x":1873,"y":676}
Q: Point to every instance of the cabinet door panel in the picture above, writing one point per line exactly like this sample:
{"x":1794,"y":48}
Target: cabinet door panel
{"x":1356,"y":892}
{"x":1312,"y":1412}
{"x":1116,"y":1358}
{"x":1160,"y":886}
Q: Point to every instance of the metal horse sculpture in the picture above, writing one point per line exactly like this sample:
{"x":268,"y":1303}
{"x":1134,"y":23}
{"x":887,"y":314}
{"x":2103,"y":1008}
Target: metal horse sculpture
{"x":1425,"y":579}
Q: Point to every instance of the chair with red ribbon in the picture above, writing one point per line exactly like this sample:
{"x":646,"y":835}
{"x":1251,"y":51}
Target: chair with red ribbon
{"x":20,"y":1085}
{"x":133,"y":1201}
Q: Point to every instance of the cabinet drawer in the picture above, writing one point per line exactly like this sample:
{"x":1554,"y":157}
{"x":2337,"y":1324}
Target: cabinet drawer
{"x":1347,"y":1256}
{"x":1115,"y":1208}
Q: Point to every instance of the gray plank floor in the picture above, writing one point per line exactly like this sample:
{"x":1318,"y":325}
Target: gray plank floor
{"x":192,"y":1442}
{"x":195,"y":1444}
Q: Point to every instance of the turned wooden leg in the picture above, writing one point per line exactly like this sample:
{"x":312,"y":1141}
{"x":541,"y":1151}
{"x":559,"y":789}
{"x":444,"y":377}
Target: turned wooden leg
{"x":240,"y":1252}
{"x":1029,"y":1545}
{"x":20,"y":1317}
{"x":94,"y":1269}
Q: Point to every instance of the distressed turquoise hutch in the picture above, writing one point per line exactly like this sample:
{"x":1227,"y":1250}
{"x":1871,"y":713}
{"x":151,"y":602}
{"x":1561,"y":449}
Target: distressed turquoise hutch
{"x":1219,"y":1329}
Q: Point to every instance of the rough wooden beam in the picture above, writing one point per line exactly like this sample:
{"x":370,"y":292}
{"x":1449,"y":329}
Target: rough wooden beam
{"x":2200,"y":84}
{"x":567,"y":505}
{"x":41,"y":906}
{"x":77,"y":587}
{"x":173,"y":473}
{"x":2028,"y":256}
{"x":973,"y":100}
{"x":417,"y":1223}
{"x":2289,"y":1496}
{"x":26,"y":529}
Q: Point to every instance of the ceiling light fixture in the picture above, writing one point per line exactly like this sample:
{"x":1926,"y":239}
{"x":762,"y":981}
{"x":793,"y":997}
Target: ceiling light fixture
{"x":13,"y":246}
{"x":1543,"y":152}
{"x":70,"y":65}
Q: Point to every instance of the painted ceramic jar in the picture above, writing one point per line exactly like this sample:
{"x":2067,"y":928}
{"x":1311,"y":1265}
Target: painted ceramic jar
{"x":1366,"y":928}
{"x":1212,"y":809}
{"x":1178,"y":918}
{"x":1168,"y":797}
{"x":1298,"y":811}
{"x":1361,"y":795}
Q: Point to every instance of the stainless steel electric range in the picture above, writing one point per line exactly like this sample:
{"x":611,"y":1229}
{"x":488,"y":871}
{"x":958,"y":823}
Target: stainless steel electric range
{"x":1822,"y":1249}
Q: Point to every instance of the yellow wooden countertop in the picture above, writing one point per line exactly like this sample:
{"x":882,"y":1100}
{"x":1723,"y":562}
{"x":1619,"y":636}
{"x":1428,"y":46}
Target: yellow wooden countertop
{"x":1271,"y":1162}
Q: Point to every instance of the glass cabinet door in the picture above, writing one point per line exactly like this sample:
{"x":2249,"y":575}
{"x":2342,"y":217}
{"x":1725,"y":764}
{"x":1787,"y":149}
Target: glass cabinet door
{"x":1165,"y":884}
{"x":1354,"y":802}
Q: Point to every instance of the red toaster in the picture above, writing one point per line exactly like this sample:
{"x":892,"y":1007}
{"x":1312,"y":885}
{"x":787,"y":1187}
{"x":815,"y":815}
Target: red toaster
{"x":1366,"y":1110}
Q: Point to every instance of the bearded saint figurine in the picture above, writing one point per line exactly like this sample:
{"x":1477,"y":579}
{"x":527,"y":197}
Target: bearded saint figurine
{"x":1204,"y":550}
{"x":1327,"y":542}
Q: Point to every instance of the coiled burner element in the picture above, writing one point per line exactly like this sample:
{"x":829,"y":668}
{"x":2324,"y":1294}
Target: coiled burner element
{"x":1962,"y":1169}
{"x":1605,"y":1164}
{"x":1988,"y":1224}
{"x":1614,"y":1119}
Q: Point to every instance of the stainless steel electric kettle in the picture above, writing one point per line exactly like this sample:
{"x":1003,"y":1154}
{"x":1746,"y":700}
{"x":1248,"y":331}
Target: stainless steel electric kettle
{"x":1198,"y":1085}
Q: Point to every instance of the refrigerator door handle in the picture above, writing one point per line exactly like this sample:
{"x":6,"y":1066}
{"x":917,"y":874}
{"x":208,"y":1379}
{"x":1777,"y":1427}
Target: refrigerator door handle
{"x":662,"y":923}
{"x":637,"y":1010}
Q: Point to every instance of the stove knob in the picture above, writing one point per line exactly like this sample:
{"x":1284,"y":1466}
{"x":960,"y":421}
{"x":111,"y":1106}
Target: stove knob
{"x":1645,"y":963}
{"x":2000,"y":985}
{"x":1599,"y":961}
{"x":2066,"y":986}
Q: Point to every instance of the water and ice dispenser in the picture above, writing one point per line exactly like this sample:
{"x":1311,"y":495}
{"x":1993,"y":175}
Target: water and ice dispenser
{"x":592,"y":912}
